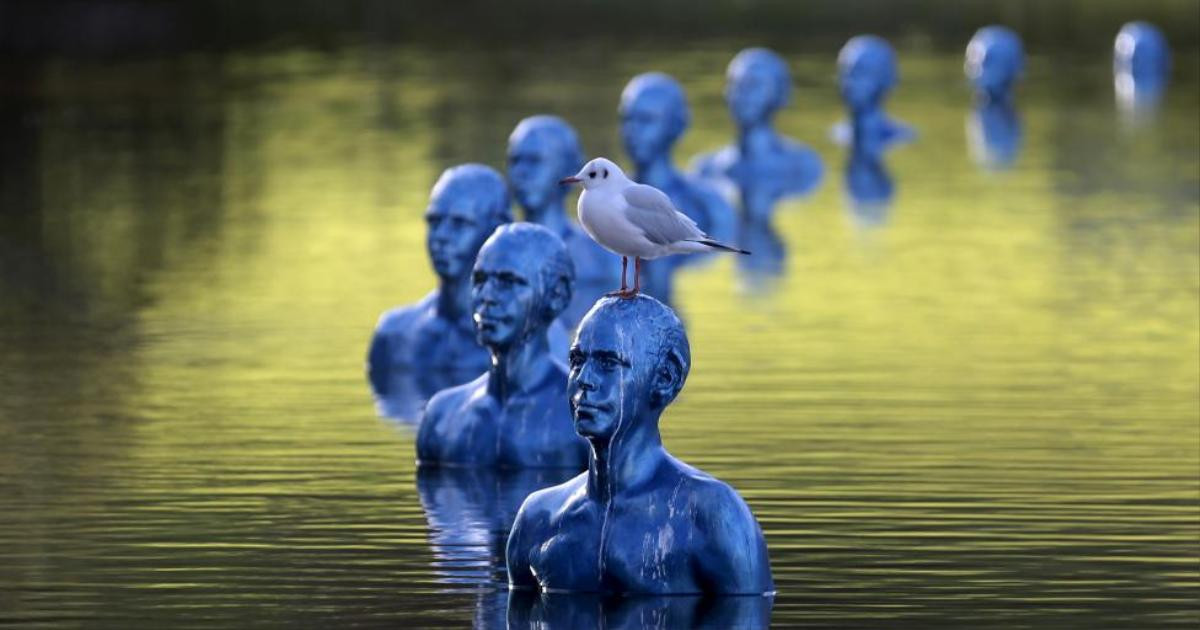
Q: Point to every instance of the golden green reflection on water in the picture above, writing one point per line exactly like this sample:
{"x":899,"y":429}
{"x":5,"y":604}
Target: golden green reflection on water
{"x":986,"y":408}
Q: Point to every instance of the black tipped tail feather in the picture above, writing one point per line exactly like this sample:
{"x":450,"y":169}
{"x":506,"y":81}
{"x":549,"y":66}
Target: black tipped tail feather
{"x":723,"y":247}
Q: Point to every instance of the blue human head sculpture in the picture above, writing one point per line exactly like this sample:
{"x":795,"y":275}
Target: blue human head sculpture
{"x":757,"y":84}
{"x":995,"y":60}
{"x":629,"y":361}
{"x":866,"y":72}
{"x":541,"y":151}
{"x":1141,"y":64}
{"x":654,"y":113}
{"x":522,"y":280}
{"x":466,"y":204}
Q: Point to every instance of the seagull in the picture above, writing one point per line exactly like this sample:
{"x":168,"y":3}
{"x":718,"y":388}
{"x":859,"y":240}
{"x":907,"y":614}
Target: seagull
{"x":634,"y":220}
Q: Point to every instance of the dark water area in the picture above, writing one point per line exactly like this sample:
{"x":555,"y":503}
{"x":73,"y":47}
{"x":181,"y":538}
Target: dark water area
{"x":975,"y":406}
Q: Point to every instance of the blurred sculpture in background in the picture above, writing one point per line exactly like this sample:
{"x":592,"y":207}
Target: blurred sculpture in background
{"x":995,"y":61}
{"x":866,"y":74}
{"x":869,"y":186}
{"x":587,"y":611}
{"x":514,"y":415}
{"x":423,"y":348}
{"x":763,"y":166}
{"x":1141,"y":67}
{"x":541,"y":151}
{"x":654,"y":114}
{"x":638,"y":521}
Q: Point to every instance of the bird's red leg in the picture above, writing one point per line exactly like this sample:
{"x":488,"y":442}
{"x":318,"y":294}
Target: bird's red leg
{"x":637,"y":276}
{"x":623,"y":292}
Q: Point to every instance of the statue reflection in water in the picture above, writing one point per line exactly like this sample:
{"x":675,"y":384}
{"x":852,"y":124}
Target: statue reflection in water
{"x":420,"y":349}
{"x":638,"y":521}
{"x":1141,"y":68}
{"x":515,"y":415}
{"x":654,"y":114}
{"x":995,"y":61}
{"x":764,"y":167}
{"x":541,"y":151}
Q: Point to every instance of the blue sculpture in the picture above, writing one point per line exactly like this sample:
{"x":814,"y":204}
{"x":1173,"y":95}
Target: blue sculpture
{"x":869,"y":186}
{"x":654,"y":114}
{"x":866,"y":73}
{"x":541,"y":151}
{"x":995,"y":61}
{"x":764,"y":166}
{"x":1141,"y":67}
{"x":583,"y":611}
{"x":420,"y":349}
{"x":514,"y":415}
{"x":638,"y":521}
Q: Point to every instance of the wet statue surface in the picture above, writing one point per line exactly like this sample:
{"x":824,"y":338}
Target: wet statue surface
{"x":654,"y":114}
{"x":420,"y":349}
{"x":639,"y":521}
{"x":1141,"y":67}
{"x":541,"y":151}
{"x":995,"y":62}
{"x":515,"y":415}
{"x":764,"y":166}
{"x":867,"y":72}
{"x":530,"y":609}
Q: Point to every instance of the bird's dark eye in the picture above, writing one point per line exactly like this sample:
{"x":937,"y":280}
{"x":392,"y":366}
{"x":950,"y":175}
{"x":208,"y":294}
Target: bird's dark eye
{"x":592,"y":175}
{"x":605,"y":173}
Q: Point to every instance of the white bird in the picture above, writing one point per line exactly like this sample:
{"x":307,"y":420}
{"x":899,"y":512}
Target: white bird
{"x":634,"y":220}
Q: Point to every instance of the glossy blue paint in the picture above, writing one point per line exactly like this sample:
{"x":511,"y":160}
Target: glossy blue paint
{"x":639,"y":521}
{"x":995,"y":61}
{"x":586,"y":611}
{"x":869,"y":185}
{"x":1141,"y":66}
{"x":654,"y":114}
{"x":515,"y":415}
{"x":763,"y":166}
{"x":541,"y":151}
{"x":420,"y":349}
{"x":866,"y":74}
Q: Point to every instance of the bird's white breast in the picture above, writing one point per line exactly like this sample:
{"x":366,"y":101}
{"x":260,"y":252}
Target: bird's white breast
{"x":602,"y":215}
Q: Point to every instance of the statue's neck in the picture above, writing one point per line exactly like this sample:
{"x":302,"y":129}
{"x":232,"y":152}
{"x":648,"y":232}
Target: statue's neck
{"x":520,"y":368}
{"x":627,"y":463}
{"x":756,"y":139}
{"x":1001,"y":97}
{"x":550,"y":215}
{"x":454,"y":300}
{"x":658,"y":172}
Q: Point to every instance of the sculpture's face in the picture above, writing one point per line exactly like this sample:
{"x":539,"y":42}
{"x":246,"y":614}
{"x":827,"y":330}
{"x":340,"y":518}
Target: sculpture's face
{"x":864,"y":79}
{"x":534,"y":169}
{"x":609,"y":380}
{"x":751,"y":94}
{"x":992,"y":65}
{"x":505,"y":297}
{"x":649,"y":124}
{"x":457,"y":227}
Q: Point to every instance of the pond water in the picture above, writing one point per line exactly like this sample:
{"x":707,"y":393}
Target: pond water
{"x":978,"y":409}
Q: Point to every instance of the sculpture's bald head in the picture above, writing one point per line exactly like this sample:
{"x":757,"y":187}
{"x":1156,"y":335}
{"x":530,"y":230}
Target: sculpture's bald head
{"x":522,"y":281}
{"x":629,"y":361}
{"x":654,"y":113}
{"x":466,"y":204}
{"x":757,"y":83}
{"x":866,"y":71}
{"x":995,"y":60}
{"x":541,"y":151}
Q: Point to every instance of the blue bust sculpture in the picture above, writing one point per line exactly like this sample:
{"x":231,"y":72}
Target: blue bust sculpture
{"x":514,"y":415}
{"x":869,"y":186}
{"x":1141,"y":66}
{"x":654,"y":114}
{"x":995,"y":61}
{"x":541,"y":151}
{"x":588,"y":611}
{"x":866,"y":74}
{"x":638,"y":521}
{"x":420,"y":349}
{"x":764,"y":166}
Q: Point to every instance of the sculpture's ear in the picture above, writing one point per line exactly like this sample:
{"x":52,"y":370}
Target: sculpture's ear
{"x":558,"y":296}
{"x":667,"y":380}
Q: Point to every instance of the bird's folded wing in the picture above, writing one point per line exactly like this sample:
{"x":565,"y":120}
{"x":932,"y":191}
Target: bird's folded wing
{"x":652,"y":212}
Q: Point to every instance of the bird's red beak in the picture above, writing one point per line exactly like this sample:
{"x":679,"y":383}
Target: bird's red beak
{"x":569,"y":180}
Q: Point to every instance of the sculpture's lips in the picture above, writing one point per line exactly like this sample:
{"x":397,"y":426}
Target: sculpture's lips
{"x":588,"y":411}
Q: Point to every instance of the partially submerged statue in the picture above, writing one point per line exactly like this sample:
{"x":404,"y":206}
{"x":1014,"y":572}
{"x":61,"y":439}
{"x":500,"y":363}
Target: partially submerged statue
{"x":515,"y":414}
{"x":1141,"y":67}
{"x":869,"y":186}
{"x":654,"y":114}
{"x":763,"y":166}
{"x":866,"y":74}
{"x":597,"y":611}
{"x":541,"y":151}
{"x":420,"y":349}
{"x":638,"y":521}
{"x":995,"y":61}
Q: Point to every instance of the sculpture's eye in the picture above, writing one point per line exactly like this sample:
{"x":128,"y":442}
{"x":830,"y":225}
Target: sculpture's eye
{"x":592,"y":175}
